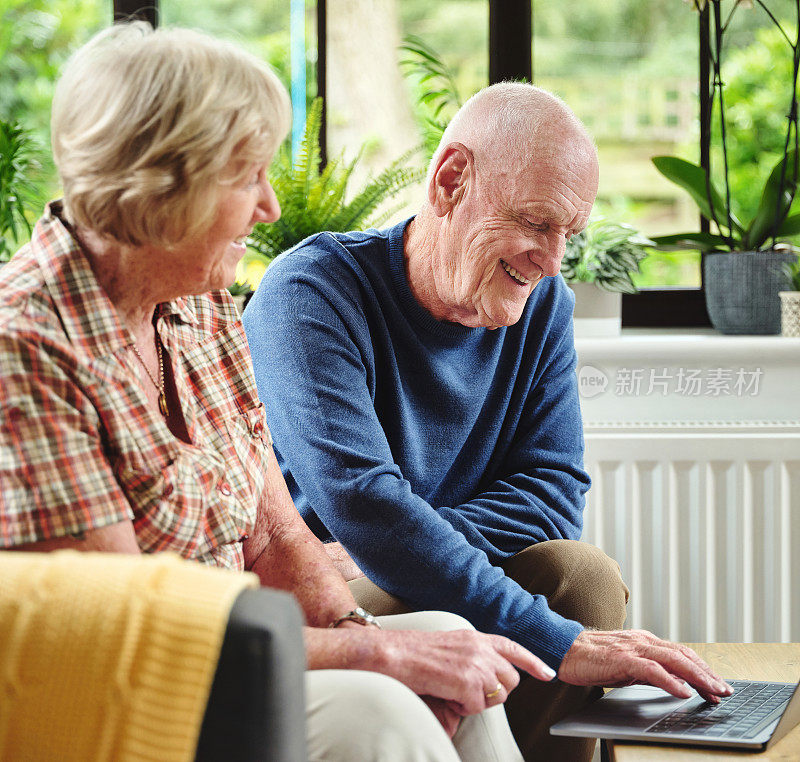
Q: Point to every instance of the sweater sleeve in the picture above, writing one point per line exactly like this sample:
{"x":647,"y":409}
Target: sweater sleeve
{"x":537,"y":492}
{"x":307,"y":353}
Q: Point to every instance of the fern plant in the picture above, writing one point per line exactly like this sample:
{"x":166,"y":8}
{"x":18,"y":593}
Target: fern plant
{"x":605,"y":253}
{"x":313,"y":201}
{"x":19,"y":164}
{"x":438,"y":94}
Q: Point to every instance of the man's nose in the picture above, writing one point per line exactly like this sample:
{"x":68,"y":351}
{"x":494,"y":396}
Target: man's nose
{"x":549,"y":257}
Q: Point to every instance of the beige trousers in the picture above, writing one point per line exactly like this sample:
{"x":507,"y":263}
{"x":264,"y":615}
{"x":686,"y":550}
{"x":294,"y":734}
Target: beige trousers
{"x":355,"y":716}
{"x":580,"y":582}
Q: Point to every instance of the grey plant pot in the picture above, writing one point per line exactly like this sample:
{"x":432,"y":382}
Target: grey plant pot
{"x":742,"y":290}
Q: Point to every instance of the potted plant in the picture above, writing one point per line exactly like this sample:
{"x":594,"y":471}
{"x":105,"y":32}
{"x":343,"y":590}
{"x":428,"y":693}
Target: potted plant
{"x":314,"y":200}
{"x":598,"y":264}
{"x":742,"y":262}
{"x":790,"y":300}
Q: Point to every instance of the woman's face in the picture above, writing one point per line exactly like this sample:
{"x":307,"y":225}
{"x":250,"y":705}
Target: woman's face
{"x":209,"y":261}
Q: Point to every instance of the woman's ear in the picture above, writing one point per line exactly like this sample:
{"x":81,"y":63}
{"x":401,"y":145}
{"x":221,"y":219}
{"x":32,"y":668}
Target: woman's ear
{"x":451,"y":178}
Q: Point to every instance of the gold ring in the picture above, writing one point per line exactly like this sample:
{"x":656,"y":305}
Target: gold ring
{"x":495,"y":692}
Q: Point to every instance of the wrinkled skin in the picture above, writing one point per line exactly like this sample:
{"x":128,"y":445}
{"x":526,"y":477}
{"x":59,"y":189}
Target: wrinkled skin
{"x":522,"y":217}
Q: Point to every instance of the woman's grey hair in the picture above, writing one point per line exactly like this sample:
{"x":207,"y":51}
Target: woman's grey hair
{"x":148,"y":126}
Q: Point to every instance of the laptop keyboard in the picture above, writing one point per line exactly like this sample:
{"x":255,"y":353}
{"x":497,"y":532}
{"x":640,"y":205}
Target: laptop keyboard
{"x":742,"y":715}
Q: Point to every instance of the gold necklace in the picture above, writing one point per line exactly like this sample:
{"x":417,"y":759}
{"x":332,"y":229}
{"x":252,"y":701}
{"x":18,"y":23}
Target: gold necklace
{"x":159,"y":385}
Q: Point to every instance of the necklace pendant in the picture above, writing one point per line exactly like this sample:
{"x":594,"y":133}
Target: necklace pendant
{"x":162,"y":404}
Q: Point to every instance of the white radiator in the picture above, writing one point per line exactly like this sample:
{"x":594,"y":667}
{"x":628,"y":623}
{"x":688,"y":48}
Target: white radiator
{"x":705,"y":525}
{"x":693,"y":443}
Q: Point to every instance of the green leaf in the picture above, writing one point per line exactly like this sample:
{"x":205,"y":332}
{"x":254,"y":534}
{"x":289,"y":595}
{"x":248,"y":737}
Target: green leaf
{"x":772,"y":210}
{"x":692,"y":179}
{"x":691,"y":241}
{"x":790,"y":226}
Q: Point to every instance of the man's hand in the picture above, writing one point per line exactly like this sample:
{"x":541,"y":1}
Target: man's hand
{"x":627,"y":657}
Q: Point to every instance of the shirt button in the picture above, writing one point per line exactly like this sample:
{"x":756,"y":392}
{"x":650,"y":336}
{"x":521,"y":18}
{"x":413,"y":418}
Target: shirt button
{"x":258,"y":428}
{"x":225,"y":488}
{"x":167,"y":490}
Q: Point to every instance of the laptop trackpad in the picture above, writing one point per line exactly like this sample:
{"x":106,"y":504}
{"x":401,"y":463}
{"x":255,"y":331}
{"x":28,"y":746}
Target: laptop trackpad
{"x":634,"y":707}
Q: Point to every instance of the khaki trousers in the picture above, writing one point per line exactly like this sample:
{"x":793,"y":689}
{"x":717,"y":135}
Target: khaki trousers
{"x":580,"y":582}
{"x":355,"y":716}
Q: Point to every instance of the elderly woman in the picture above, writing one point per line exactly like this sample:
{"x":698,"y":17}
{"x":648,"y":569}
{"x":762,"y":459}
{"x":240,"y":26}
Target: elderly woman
{"x":130,"y":418}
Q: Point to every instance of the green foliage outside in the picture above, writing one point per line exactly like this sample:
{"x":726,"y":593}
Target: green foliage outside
{"x":757,"y":100}
{"x":619,"y":39}
{"x":312,"y":200}
{"x":36,"y":38}
{"x":261,"y":28}
{"x":19,"y":194}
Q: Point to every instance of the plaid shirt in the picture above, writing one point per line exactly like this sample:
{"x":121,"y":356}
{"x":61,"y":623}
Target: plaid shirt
{"x":80,"y":448}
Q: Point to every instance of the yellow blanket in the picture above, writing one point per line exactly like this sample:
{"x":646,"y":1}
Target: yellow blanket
{"x":108,"y":657}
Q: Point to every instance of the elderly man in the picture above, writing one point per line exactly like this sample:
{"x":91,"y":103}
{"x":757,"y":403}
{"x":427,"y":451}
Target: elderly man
{"x":419,"y":384}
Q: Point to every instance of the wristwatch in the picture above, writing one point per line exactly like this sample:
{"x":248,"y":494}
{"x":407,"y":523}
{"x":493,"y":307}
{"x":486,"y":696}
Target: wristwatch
{"x":357,"y":615}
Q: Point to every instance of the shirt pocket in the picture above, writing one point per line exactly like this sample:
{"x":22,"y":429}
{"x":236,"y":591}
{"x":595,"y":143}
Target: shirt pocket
{"x":251,"y":441}
{"x":185,"y":505}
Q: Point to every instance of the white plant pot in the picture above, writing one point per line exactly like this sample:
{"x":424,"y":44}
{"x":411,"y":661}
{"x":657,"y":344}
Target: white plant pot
{"x":598,"y":313}
{"x":790,"y":313}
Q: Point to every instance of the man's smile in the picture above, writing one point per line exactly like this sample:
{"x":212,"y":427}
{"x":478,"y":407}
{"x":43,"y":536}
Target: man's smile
{"x":517,"y":276}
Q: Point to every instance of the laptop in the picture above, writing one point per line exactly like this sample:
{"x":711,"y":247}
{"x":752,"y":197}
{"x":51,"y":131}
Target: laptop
{"x":754,"y":717}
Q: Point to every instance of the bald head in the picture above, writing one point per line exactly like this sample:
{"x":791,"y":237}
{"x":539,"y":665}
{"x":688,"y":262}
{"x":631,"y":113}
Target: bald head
{"x":513,"y":124}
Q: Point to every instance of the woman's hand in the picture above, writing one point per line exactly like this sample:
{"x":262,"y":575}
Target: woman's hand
{"x":342,"y":561}
{"x":445,"y":712}
{"x":467,"y":671}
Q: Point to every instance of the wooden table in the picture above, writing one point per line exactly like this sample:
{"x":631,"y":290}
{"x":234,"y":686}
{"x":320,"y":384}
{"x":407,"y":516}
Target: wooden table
{"x":778,"y":662}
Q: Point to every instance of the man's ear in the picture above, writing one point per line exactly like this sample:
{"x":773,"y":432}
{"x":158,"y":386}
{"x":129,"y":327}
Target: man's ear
{"x":451,"y":177}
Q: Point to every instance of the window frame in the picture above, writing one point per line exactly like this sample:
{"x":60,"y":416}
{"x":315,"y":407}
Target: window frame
{"x":510,"y":57}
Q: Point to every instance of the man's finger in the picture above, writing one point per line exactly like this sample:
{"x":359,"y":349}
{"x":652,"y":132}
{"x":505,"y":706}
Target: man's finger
{"x":683,"y":667}
{"x":652,"y":673}
{"x":690,"y":654}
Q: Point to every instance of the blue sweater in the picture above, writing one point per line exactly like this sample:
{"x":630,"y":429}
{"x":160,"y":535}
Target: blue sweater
{"x":431,"y":451}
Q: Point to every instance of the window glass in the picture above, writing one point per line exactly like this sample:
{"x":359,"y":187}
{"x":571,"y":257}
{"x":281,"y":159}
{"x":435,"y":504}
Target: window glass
{"x":376,"y":103}
{"x":757,"y":73}
{"x":261,"y":27}
{"x":629,"y":71}
{"x":38,"y":37}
